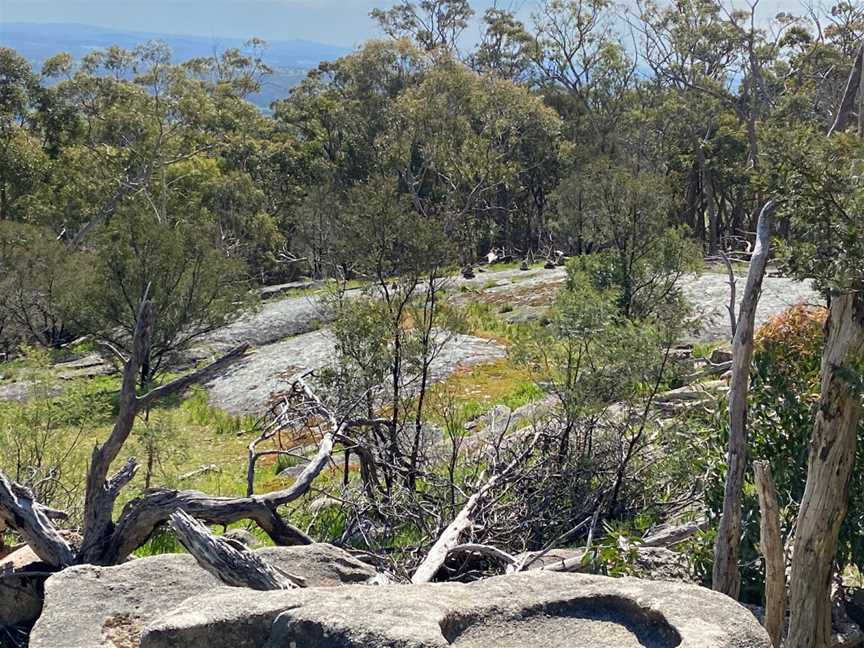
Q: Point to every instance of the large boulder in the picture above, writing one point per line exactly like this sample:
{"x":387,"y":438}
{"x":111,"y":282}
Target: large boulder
{"x":108,"y":607}
{"x":21,"y":589}
{"x":554,"y":610}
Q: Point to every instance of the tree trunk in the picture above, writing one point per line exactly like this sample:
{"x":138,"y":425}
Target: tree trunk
{"x":832,"y":456}
{"x":771,"y":547}
{"x":726,"y":577}
{"x":847,"y":104}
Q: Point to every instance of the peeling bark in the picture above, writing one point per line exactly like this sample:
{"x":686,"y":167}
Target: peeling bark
{"x":832,"y":457}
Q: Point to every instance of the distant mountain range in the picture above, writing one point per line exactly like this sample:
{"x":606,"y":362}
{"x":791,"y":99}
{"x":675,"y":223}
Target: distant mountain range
{"x":291,"y":60}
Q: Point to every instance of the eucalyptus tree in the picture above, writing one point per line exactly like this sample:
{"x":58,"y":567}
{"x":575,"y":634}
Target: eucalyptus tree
{"x":431,"y":24}
{"x":476,"y":153}
{"x":824,"y":200}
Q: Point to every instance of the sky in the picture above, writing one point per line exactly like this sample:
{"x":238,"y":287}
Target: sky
{"x":336,"y":22}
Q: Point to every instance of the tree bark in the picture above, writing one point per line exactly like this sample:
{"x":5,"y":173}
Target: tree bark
{"x":232,"y":564}
{"x":771,"y":547}
{"x":726,"y":576}
{"x":19,"y":511}
{"x":832,"y":456}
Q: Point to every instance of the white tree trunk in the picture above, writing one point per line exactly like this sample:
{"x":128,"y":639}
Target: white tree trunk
{"x":726,"y":577}
{"x":832,"y":457}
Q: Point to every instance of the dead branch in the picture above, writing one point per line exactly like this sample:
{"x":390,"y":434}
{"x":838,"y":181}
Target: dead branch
{"x":726,"y":577}
{"x":771,"y":547}
{"x":19,"y":511}
{"x":230,"y":562}
{"x":733,"y":322}
{"x":487,"y":551}
{"x":101,"y":490}
{"x":463,"y":521}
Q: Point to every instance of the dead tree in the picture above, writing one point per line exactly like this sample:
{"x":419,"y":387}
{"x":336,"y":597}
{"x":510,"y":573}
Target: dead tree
{"x":19,"y":511}
{"x":108,"y":542}
{"x":771,"y":547}
{"x":449,"y":538}
{"x":102,"y":490}
{"x":726,"y":576}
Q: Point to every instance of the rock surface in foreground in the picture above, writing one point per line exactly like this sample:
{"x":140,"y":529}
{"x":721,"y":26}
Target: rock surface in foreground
{"x":109,"y":607}
{"x":531,"y":609}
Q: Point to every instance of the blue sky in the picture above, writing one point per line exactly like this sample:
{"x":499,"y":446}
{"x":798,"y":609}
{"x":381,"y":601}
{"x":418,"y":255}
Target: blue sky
{"x":338,"y":22}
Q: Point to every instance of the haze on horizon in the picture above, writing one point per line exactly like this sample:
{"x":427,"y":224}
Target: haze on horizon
{"x":335,"y":22}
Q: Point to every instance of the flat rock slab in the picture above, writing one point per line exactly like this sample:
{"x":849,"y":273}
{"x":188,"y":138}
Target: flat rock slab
{"x":108,"y":607}
{"x":538,"y":608}
{"x":709,"y":295}
{"x":247,"y":386}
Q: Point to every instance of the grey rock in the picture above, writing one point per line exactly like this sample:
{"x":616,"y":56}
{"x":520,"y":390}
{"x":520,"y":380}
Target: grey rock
{"x":247,"y":386}
{"x":108,"y":607}
{"x":20,"y":589}
{"x":321,"y":564}
{"x":88,"y":366}
{"x":659,"y":563}
{"x":721,"y":355}
{"x":23,"y":390}
{"x":513,"y":611}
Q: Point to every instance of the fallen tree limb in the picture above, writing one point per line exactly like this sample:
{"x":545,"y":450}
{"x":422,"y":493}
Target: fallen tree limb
{"x":487,"y":551}
{"x":233,"y":565}
{"x":463,"y":521}
{"x":20,"y":512}
{"x":673,"y":535}
{"x":141,"y":516}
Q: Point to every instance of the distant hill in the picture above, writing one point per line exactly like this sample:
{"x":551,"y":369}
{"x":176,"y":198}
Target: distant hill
{"x":290,"y":59}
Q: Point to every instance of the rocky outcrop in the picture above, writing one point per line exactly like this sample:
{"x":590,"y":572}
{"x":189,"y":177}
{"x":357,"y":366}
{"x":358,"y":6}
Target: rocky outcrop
{"x":556,"y":610}
{"x":109,"y":607}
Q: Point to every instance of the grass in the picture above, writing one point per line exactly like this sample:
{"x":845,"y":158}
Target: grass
{"x":470,"y":393}
{"x":323,"y":287}
{"x":703,"y":350}
{"x":483,"y":320}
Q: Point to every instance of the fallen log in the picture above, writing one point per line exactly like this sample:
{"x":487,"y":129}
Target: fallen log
{"x":229,"y":561}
